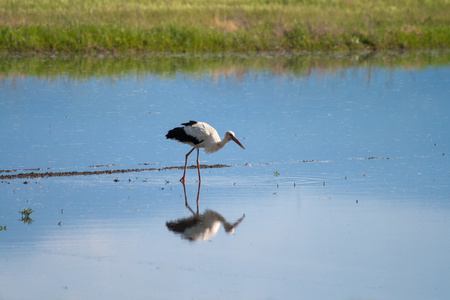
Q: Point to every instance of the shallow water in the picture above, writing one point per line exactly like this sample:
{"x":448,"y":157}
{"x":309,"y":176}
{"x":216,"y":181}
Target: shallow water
{"x":343,"y":186}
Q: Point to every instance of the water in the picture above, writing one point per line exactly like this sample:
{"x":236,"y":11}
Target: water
{"x":342,"y":191}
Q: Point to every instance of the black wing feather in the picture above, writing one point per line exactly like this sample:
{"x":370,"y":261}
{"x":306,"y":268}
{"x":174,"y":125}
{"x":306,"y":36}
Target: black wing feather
{"x":190,"y":123}
{"x":182,"y":224}
{"x":180,"y":135}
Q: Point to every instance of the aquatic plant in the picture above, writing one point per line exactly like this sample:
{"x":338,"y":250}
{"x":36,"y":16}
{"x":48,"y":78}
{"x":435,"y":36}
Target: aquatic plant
{"x":26,"y":212}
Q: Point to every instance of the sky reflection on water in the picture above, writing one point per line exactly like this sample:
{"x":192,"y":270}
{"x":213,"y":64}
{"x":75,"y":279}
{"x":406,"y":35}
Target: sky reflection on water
{"x":343,"y":183}
{"x":75,"y":125}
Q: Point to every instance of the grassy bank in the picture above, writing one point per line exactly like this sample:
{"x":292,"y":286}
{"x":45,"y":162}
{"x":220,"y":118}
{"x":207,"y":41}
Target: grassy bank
{"x":222,"y":26}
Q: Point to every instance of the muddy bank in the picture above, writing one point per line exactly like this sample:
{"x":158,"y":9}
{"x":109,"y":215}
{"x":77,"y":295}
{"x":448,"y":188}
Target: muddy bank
{"x":100,"y":172}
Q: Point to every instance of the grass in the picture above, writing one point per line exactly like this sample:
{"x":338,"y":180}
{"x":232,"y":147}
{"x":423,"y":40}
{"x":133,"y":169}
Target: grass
{"x":198,"y":26}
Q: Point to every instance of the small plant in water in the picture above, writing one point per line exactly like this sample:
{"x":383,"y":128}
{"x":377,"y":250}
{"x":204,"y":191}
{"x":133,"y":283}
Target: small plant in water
{"x":26,"y":212}
{"x":276,"y":174}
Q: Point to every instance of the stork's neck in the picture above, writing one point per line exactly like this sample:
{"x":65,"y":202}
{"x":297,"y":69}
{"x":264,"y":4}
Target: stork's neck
{"x":221,"y":144}
{"x":217,"y":145}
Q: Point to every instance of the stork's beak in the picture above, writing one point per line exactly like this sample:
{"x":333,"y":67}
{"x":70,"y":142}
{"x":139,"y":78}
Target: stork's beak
{"x":237,"y":142}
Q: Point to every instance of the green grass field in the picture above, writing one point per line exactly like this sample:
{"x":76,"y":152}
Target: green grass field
{"x":198,"y":26}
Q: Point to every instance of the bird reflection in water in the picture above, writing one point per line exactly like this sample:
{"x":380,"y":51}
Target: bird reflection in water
{"x":201,"y":227}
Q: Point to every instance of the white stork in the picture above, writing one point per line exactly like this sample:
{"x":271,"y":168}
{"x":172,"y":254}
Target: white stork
{"x":200,"y":135}
{"x":202,"y":227}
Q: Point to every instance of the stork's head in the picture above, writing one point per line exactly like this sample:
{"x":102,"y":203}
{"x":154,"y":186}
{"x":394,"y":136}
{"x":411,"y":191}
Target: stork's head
{"x":229,"y":135}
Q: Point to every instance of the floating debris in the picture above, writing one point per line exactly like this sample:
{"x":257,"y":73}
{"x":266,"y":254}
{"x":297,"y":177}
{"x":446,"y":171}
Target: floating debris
{"x":102,"y":166}
{"x":371,"y":157}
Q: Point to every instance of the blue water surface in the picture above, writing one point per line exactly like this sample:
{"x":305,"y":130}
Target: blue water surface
{"x":343,"y":186}
{"x":68,"y":124}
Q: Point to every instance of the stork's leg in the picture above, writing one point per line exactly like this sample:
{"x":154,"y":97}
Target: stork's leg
{"x":186,"y":201}
{"x":185,"y":165}
{"x":198,"y":165}
{"x":198,"y":199}
{"x":198,"y":196}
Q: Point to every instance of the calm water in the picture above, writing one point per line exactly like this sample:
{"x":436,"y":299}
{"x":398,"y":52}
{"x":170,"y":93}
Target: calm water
{"x":342,"y":192}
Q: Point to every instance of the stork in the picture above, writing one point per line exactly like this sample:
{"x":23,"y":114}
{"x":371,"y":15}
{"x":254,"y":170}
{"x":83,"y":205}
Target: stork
{"x":203,"y":226}
{"x":200,"y":135}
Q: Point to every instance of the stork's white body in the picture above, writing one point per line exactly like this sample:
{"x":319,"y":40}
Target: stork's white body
{"x":200,"y":135}
{"x":202,"y":227}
